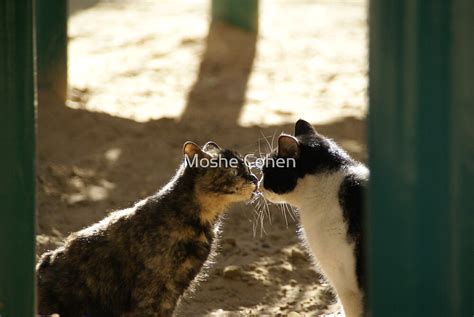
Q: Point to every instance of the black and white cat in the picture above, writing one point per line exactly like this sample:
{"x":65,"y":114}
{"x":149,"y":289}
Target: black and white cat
{"x":328,"y":187}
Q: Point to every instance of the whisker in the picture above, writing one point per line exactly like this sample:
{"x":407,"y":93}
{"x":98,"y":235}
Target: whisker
{"x":254,"y":227}
{"x":262,"y":227}
{"x":256,"y":202}
{"x":267,"y":209}
{"x":273,"y":139}
{"x":268,"y":143}
{"x":258,"y":206}
{"x":255,"y":197}
{"x":261,"y":210}
{"x":293,"y":209}
{"x":283,"y":211}
{"x":262,"y":216}
{"x":256,"y":222}
{"x":291,"y":212}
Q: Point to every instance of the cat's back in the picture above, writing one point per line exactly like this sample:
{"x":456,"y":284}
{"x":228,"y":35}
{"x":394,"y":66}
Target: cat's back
{"x":96,"y":264}
{"x":351,"y":195}
{"x":352,"y":198}
{"x":85,"y":269}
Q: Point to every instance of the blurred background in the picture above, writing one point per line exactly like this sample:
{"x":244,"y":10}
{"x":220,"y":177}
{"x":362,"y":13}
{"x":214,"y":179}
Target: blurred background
{"x":146,"y":76}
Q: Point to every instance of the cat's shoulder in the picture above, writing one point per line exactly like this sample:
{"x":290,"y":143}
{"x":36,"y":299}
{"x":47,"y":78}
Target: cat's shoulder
{"x":352,"y":192}
{"x":358,"y":172}
{"x":353,"y":186}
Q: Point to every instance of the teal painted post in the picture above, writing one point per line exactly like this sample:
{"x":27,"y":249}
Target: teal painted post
{"x":421,"y":146}
{"x":17,"y":144}
{"x":462,"y":158}
{"x":51,"y":46}
{"x":241,"y":13}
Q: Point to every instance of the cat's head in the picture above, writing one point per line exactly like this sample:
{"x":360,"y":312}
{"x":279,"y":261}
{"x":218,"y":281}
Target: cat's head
{"x":307,"y":152}
{"x":221,"y":175}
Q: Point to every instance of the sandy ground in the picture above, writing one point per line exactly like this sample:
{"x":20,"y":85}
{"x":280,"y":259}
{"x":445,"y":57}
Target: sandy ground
{"x":146,"y":76}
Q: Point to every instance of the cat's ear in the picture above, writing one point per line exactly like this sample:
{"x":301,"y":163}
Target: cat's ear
{"x":304,"y":128}
{"x":288,"y":146}
{"x":211,"y":146}
{"x":191,"y":149}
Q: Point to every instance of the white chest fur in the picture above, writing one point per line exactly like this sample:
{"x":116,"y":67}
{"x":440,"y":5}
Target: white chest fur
{"x":324,"y":231}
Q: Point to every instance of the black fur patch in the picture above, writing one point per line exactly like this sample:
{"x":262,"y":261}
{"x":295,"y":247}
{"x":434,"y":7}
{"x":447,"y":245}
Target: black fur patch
{"x":303,"y":128}
{"x":317,"y":155}
{"x":352,"y":201}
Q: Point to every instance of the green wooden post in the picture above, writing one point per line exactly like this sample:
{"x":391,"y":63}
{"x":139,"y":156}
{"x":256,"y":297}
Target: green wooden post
{"x":51,"y":46}
{"x":421,"y":138}
{"x":241,"y":13}
{"x":17,"y":144}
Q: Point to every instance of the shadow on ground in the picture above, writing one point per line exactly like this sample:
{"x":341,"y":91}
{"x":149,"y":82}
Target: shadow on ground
{"x":75,"y":6}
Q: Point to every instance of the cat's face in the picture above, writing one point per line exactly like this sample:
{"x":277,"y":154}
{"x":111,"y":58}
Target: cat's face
{"x":305,"y":153}
{"x":221,"y":175}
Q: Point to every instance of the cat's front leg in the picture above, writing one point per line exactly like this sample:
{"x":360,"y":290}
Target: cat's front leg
{"x":153,"y":298}
{"x":151,"y":311}
{"x":158,"y":308}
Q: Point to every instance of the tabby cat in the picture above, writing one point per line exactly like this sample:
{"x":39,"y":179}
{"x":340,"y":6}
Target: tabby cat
{"x":139,"y":261}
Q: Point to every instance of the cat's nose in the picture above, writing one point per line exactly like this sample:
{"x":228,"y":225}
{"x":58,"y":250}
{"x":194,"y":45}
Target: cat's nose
{"x":254,"y":179}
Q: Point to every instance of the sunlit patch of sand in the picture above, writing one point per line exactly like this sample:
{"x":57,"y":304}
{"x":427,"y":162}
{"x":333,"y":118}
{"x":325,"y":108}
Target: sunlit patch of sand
{"x":311,"y":60}
{"x":139,"y":59}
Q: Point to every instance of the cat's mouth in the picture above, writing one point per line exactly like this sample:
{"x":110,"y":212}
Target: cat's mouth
{"x":256,"y":186}
{"x":255,"y":189}
{"x":255,"y":195}
{"x":247,"y":190}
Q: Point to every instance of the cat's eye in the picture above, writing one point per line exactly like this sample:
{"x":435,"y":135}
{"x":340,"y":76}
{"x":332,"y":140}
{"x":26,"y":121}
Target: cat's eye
{"x":234,"y":172}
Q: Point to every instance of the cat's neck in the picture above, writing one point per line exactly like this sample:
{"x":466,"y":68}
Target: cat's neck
{"x":210,"y":205}
{"x":320,"y":191}
{"x":317,"y":194}
{"x":179,"y":183}
{"x":185,"y":191}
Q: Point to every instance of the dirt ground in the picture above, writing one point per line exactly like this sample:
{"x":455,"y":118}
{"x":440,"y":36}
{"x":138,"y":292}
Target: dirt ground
{"x":146,"y":76}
